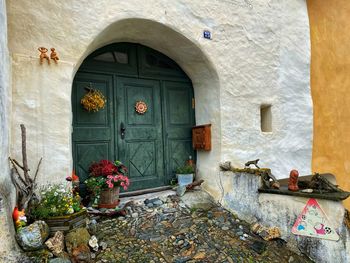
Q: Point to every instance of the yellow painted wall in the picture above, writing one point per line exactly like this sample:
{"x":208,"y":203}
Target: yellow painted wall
{"x":330,"y":85}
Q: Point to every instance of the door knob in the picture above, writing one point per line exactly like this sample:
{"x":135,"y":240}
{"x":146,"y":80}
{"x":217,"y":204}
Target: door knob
{"x":122,"y":130}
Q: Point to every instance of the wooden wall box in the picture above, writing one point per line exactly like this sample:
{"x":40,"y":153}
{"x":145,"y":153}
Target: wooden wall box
{"x":201,"y":137}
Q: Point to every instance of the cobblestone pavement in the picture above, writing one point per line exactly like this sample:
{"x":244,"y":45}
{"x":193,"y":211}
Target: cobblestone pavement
{"x":165,"y":230}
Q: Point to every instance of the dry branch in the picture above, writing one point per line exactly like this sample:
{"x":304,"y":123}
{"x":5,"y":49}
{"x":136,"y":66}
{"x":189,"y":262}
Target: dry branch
{"x":25,"y":185}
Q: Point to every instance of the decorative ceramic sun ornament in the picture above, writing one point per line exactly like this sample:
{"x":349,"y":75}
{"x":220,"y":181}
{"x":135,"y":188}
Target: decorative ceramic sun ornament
{"x":140,"y":107}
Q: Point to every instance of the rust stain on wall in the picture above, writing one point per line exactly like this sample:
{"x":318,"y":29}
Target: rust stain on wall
{"x":330,"y":87}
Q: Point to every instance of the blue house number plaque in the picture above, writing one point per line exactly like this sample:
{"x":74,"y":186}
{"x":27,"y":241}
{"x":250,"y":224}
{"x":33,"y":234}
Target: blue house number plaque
{"x":207,"y":34}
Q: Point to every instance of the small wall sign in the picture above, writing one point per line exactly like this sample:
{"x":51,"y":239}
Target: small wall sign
{"x":313,"y":222}
{"x":207,"y":34}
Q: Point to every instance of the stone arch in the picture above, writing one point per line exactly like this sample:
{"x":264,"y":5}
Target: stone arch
{"x":195,"y":63}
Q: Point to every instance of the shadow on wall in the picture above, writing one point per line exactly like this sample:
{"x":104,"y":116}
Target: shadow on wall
{"x":191,"y":58}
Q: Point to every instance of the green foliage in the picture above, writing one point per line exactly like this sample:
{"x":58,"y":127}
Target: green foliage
{"x":55,"y":200}
{"x":186,"y":169}
{"x":95,"y":184}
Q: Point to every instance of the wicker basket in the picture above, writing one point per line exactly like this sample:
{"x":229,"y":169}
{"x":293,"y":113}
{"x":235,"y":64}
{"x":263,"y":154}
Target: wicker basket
{"x":109,"y":198}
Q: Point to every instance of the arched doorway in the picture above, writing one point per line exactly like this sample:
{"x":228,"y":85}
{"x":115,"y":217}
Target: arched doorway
{"x":151,"y":145}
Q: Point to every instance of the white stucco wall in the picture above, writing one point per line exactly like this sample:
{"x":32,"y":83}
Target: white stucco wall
{"x":7,"y":243}
{"x":259,"y":54}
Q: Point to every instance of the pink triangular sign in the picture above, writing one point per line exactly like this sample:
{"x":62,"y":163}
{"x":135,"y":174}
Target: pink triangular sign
{"x":313,"y":222}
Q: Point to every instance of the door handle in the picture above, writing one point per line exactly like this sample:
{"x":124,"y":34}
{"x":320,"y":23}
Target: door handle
{"x":122,"y":130}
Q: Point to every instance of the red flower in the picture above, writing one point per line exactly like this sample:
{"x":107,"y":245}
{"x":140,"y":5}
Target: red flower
{"x":103,"y":168}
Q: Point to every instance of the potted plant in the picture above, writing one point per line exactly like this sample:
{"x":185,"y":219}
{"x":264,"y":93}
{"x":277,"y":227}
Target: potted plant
{"x":59,"y":207}
{"x":105,"y":181}
{"x":184,"y":174}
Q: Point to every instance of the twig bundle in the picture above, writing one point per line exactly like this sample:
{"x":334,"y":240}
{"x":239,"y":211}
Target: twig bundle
{"x":25,"y":185}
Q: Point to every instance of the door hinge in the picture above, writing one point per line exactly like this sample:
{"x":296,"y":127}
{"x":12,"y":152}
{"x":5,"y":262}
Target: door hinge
{"x":193,"y":103}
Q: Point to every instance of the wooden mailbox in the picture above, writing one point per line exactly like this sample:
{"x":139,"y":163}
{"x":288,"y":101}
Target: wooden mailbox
{"x":201,"y":137}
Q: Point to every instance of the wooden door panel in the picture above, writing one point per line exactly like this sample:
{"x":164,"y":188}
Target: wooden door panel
{"x":178,"y":150}
{"x":178,"y":122}
{"x":139,"y":92}
{"x":83,"y":117}
{"x":86,"y":153}
{"x":93,"y":132}
{"x":142,"y":158}
{"x":179,"y":111}
{"x":142,"y":147}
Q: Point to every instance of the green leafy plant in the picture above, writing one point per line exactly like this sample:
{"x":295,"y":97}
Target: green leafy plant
{"x":56,"y":200}
{"x":186,"y":169}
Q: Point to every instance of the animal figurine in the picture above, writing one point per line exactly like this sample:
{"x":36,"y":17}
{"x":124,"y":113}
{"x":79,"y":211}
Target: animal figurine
{"x":254,"y":162}
{"x":293,"y":181}
{"x":43,"y":55}
{"x":54,"y":55}
{"x":19,"y":218}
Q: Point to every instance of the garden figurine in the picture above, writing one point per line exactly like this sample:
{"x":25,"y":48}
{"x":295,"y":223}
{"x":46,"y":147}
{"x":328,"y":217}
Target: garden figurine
{"x":54,"y":55}
{"x":19,"y":218}
{"x":43,"y":55}
{"x":293,"y":181}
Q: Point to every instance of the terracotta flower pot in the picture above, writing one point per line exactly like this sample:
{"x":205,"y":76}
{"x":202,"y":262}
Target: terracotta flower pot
{"x":109,"y":198}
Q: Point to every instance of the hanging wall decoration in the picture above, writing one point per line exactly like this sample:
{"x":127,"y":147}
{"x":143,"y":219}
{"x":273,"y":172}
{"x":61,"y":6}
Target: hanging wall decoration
{"x":140,"y":107}
{"x":313,"y":222}
{"x":93,"y":100}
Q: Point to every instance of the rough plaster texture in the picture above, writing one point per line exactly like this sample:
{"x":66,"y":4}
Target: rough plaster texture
{"x":7,"y":242}
{"x":243,"y":199}
{"x":330,"y":81}
{"x":259,"y":54}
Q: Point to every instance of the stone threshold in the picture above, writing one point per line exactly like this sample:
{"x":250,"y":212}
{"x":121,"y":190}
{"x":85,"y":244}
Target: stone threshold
{"x":142,"y":197}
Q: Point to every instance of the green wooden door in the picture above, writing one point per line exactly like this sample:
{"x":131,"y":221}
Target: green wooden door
{"x":153,"y":144}
{"x":141,"y":146}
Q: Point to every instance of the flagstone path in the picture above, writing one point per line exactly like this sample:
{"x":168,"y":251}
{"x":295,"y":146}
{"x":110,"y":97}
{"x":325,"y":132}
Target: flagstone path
{"x":165,"y":230}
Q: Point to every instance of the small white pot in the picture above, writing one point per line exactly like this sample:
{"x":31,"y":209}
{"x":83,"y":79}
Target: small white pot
{"x":184,"y":179}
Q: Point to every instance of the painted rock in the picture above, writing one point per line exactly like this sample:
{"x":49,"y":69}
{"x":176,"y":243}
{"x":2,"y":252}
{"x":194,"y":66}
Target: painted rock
{"x":32,"y":237}
{"x":56,"y":243}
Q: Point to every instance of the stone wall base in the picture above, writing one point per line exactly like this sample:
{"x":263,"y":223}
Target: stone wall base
{"x":282,"y":211}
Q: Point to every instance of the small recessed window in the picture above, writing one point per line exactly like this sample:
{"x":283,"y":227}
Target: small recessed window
{"x":266,"y":118}
{"x":105,"y":57}
{"x":121,"y":57}
{"x":115,"y":57}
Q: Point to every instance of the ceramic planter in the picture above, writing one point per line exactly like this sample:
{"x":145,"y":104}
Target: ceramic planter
{"x":184,"y":179}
